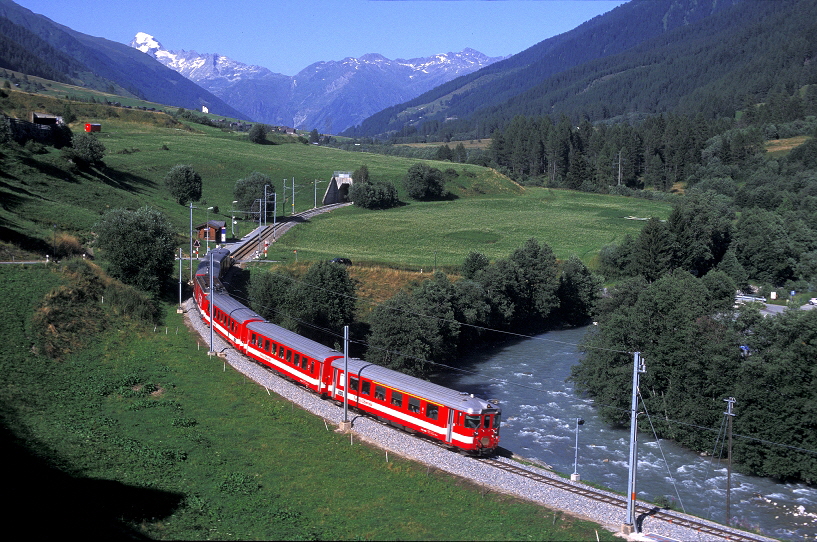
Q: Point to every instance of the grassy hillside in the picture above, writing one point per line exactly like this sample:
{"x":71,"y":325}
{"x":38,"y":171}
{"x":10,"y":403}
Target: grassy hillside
{"x":142,"y":434}
{"x":45,"y":197}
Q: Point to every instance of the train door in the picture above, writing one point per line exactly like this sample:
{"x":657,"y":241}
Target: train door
{"x":450,"y":429}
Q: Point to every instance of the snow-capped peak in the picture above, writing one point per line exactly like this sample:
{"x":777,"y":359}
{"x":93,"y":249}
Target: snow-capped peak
{"x":145,"y":42}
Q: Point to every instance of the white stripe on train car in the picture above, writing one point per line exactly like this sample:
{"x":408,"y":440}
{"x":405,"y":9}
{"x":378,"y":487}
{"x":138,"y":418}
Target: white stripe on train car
{"x":283,"y":367}
{"x":440,"y":432}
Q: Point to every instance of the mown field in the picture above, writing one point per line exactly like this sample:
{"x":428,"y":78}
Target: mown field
{"x":420,"y":234}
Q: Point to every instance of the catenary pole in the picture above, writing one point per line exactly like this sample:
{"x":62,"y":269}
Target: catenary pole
{"x":210,"y":353}
{"x":729,"y":402}
{"x":630,"y":525}
{"x":346,"y":373}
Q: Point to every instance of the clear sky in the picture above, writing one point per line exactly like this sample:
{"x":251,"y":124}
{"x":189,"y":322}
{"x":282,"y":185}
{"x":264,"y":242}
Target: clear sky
{"x":286,"y":36}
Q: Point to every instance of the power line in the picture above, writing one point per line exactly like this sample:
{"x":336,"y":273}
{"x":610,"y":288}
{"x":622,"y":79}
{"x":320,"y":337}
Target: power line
{"x":447,"y":321}
{"x":504,"y":381}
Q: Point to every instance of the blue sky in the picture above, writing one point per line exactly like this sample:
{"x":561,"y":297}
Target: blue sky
{"x":286,"y":36}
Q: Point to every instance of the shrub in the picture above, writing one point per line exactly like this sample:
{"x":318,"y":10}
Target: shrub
{"x":86,"y":150}
{"x":376,"y":195}
{"x":423,"y":182}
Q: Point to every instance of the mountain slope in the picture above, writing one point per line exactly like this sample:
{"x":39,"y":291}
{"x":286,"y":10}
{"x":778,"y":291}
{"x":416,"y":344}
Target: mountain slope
{"x":646,"y":56}
{"x":329,"y":96}
{"x":121,"y":66}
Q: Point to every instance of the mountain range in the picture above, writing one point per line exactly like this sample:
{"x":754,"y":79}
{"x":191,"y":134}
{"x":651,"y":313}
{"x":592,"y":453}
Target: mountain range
{"x":645,"y":57}
{"x":330,"y":96}
{"x":36,"y":45}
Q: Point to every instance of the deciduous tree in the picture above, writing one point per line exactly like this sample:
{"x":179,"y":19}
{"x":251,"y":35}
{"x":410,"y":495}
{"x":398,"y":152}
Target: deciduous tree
{"x":184,"y":184}
{"x":139,"y":245}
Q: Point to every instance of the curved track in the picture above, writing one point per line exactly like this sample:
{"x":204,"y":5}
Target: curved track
{"x":246,"y":249}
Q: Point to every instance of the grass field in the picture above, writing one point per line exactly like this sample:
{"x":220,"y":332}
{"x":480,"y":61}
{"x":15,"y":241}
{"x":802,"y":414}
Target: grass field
{"x":418,"y":234}
{"x":159,"y":441}
{"x":45,"y":197}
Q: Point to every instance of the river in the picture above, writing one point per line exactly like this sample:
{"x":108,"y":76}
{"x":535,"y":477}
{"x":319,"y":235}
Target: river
{"x":540,"y":410}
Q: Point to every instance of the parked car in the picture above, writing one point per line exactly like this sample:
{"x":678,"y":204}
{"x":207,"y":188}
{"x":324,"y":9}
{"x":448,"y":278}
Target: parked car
{"x":344,"y":261}
{"x":812,"y":301}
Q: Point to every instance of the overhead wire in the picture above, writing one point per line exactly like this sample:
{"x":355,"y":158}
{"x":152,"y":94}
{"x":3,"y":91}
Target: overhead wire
{"x":504,"y":381}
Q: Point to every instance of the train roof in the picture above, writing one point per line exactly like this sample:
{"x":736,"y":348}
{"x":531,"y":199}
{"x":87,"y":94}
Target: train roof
{"x":416,"y":386}
{"x":235,"y":309}
{"x":219,"y":256}
{"x":312,"y":349}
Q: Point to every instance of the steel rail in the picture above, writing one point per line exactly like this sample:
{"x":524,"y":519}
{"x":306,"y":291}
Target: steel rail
{"x":621,"y":502}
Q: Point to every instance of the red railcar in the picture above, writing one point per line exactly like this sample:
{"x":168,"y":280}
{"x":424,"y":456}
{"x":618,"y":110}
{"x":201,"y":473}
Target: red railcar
{"x":457,"y":419}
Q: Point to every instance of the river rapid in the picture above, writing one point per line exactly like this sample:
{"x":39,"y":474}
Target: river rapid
{"x":539,"y":411}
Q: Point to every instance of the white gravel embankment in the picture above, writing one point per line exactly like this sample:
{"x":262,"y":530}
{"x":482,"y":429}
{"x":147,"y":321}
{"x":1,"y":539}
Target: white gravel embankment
{"x":403,"y":444}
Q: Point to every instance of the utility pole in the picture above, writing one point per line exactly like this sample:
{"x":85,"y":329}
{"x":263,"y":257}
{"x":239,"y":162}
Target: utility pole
{"x":630,"y":525}
{"x":265,"y":205}
{"x":180,"y":310}
{"x":284,"y":198}
{"x":211,"y":352}
{"x":729,"y":402}
{"x":191,"y":241}
{"x":293,"y":195}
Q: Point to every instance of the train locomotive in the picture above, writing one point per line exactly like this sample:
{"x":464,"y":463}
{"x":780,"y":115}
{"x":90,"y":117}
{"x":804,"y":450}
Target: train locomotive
{"x":457,"y":420}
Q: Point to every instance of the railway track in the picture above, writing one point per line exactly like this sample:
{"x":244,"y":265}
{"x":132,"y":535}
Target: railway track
{"x":704,"y":528}
{"x":246,"y":249}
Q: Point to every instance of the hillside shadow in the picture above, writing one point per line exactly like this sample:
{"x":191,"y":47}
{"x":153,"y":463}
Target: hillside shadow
{"x":25,"y":242}
{"x":53,"y":503}
{"x":122,"y":180}
{"x":49,"y":169}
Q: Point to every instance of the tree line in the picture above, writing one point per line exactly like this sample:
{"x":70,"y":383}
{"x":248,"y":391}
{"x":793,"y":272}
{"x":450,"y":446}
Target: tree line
{"x":432,"y":324}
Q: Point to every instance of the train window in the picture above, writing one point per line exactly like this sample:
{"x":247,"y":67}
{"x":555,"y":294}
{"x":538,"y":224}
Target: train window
{"x":296,"y":359}
{"x":496,"y":420}
{"x":413,"y":404}
{"x":312,"y":367}
{"x":304,"y":362}
{"x":431,"y":411}
{"x":397,"y":399}
{"x":472,"y":422}
{"x":252,"y":341}
{"x":289,"y":356}
{"x":380,"y":393}
{"x":280,"y":351}
{"x":353,"y":383}
{"x":266,"y":345}
{"x":487,"y":422}
{"x":365,"y":387}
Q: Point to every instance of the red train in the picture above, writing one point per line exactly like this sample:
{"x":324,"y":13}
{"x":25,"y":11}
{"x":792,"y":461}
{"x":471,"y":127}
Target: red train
{"x":459,"y":420}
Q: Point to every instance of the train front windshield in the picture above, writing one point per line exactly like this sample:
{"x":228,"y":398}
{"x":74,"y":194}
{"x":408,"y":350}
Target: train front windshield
{"x":485,"y":421}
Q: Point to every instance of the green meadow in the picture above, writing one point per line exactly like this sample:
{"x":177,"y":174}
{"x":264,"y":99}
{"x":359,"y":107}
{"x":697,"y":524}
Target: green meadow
{"x":443,"y":233}
{"x":140,"y":434}
{"x":487,"y":212}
